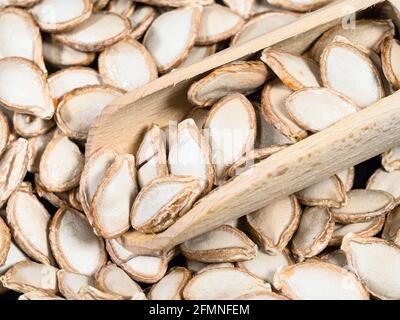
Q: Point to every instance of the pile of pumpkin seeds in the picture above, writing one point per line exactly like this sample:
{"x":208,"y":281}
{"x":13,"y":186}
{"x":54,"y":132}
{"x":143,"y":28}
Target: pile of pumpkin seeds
{"x":62,"y":62}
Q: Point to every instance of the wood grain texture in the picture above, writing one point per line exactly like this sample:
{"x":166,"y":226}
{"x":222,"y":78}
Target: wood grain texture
{"x":353,"y":140}
{"x":122,"y":124}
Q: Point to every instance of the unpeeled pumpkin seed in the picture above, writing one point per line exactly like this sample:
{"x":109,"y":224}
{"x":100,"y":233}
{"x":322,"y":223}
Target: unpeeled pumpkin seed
{"x":299,"y":5}
{"x":14,"y":255}
{"x":337,"y":257}
{"x":74,"y":245}
{"x":26,"y":276}
{"x":262,"y":296}
{"x":197,"y":54}
{"x":347,"y":178}
{"x":38,"y":295}
{"x":319,"y":281}
{"x":114,"y":197}
{"x":18,"y":3}
{"x":4,"y":132}
{"x":242,"y":7}
{"x":212,"y":266}
{"x":363,"y":205}
{"x":5,"y":241}
{"x":391,"y":159}
{"x":171,"y":36}
{"x":376,"y":262}
{"x":224,"y":244}
{"x":58,"y":16}
{"x":390,"y":56}
{"x":386,"y":181}
{"x":141,"y":19}
{"x":392,"y":226}
{"x":239,"y":77}
{"x":223,"y":284}
{"x":171,"y":286}
{"x":28,"y":126}
{"x":273,"y":226}
{"x":159,"y":204}
{"x":92,"y":293}
{"x":122,"y":7}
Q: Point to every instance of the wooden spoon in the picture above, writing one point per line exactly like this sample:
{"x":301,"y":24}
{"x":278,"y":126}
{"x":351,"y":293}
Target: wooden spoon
{"x":122,"y":124}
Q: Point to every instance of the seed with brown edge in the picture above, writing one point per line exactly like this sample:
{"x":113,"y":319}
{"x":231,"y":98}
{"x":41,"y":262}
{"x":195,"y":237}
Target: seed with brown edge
{"x":171,"y":286}
{"x":69,"y":283}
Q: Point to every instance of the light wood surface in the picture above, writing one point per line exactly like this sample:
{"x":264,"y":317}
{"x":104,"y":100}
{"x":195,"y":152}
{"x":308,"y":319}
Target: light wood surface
{"x":355,"y":139}
{"x":122,"y":124}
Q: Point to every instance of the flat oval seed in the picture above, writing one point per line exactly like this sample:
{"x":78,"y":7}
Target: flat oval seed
{"x":127,"y":65}
{"x":75,"y":246}
{"x":29,"y":126}
{"x":314,"y":232}
{"x":242,"y":7}
{"x":24,"y":88}
{"x":37,"y":295}
{"x":29,"y":222}
{"x":360,"y":229}
{"x":224,"y":244}
{"x":358,"y":79}
{"x":311,"y":280}
{"x":61,"y":55}
{"x":231,"y":126}
{"x":66,"y":80}
{"x":171,"y":36}
{"x":327,"y":193}
{"x":218,"y":23}
{"x":390,"y":57}
{"x":197,"y":54}
{"x":243,"y":77}
{"x":299,"y":5}
{"x":363,"y":205}
{"x":114,"y":280}
{"x":171,"y":286}
{"x":69,"y":283}
{"x":13,"y":166}
{"x":162,"y":202}
{"x":61,"y":164}
{"x":386,"y":181}
{"x":5,"y":241}
{"x":146,"y":269}
{"x":26,"y":276}
{"x":265,"y":265}
{"x":28,"y":43}
{"x":58,"y":15}
{"x":391,"y":159}
{"x":212,"y":266}
{"x":78,"y":109}
{"x":14,"y":255}
{"x":101,"y":30}
{"x":376,"y":262}
{"x":274,"y":225}
{"x":57,"y":199}
{"x":315,"y":109}
{"x":392,"y":226}
{"x":92,"y":175}
{"x":222,"y":284}
{"x":273,"y":101}
{"x":141,"y":19}
{"x":347,"y":178}
{"x":190,"y":155}
{"x":114,"y":197}
{"x":262,"y":24}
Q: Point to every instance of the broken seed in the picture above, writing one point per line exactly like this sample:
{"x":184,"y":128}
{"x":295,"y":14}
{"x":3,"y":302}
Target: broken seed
{"x":24,"y":88}
{"x":308,"y":281}
{"x":74,"y":245}
{"x":241,"y":77}
{"x":171,"y":36}
{"x":315,"y":109}
{"x":114,"y":197}
{"x":127,"y":65}
{"x":171,"y":286}
{"x":224,"y":244}
{"x":57,"y":16}
{"x":314,"y":232}
{"x":101,"y":30}
{"x":78,"y":109}
{"x":61,"y":164}
{"x":274,"y":225}
{"x":218,"y":23}
{"x":26,"y":276}
{"x":359,"y":79}
{"x":223,"y":284}
{"x":328,"y":193}
{"x":162,"y":202}
{"x":363,"y":205}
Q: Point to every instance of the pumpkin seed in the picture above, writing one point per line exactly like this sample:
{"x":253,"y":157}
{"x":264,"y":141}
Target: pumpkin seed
{"x":127,"y":65}
{"x":177,"y":3}
{"x":4,"y":132}
{"x":159,"y":204}
{"x":385,"y":181}
{"x":69,"y":283}
{"x":224,"y":244}
{"x":91,"y":293}
{"x":121,"y":7}
{"x":212,"y":266}
{"x":61,"y":164}
{"x":38,"y":295}
{"x":141,"y":19}
{"x":101,"y":30}
{"x":309,"y":280}
{"x":100,"y":4}
{"x":336,"y":257}
{"x":28,"y":126}
{"x":391,"y":159}
{"x":299,"y":5}
{"x":14,"y":255}
{"x":78,"y":109}
{"x":114,"y":198}
{"x":240,"y":77}
{"x":261,"y":296}
{"x":273,"y":226}
{"x":347,"y":178}
{"x":242,"y":7}
{"x":171,"y":36}
{"x":36,"y":147}
{"x":197,"y":54}
{"x":365,"y":257}
{"x":171,"y":286}
{"x":390,"y":54}
{"x":314,"y":232}
{"x":392,"y":226}
{"x":58,"y":16}
{"x":5,"y":241}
